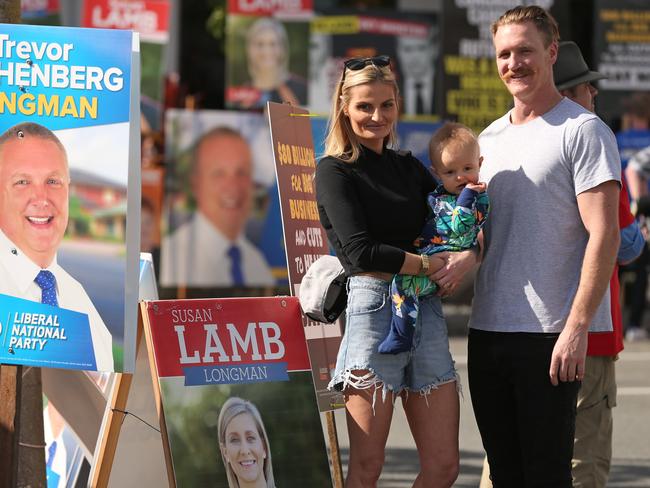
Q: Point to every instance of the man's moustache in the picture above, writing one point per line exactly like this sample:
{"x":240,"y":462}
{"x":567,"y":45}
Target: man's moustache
{"x":510,"y":74}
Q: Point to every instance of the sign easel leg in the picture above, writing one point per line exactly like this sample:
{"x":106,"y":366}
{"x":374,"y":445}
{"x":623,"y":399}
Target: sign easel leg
{"x":333,"y":439}
{"x":10,"y":388}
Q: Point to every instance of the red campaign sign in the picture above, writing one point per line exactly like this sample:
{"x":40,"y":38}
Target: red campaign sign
{"x":28,"y":7}
{"x":270,"y":7}
{"x":376,"y":25}
{"x":228,"y":331}
{"x":148,"y":17}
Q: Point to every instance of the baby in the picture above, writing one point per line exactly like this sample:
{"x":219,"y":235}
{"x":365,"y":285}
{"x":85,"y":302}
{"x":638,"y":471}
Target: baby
{"x":458,"y":208}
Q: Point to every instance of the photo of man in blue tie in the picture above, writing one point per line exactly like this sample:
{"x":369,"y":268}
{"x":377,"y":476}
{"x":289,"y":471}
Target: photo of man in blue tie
{"x":211,"y":249}
{"x":34,"y":201}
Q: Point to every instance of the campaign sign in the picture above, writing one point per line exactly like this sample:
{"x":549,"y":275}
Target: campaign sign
{"x":304,"y":237}
{"x":64,"y":77}
{"x":235,"y":372}
{"x":35,"y":334}
{"x":149,"y":17}
{"x":210,"y":341}
{"x":69,"y":105}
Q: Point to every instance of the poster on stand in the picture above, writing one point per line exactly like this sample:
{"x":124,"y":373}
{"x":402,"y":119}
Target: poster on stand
{"x":266,"y":53}
{"x":304,"y":236}
{"x":219,"y":201}
{"x":69,"y":215}
{"x":40,"y":12}
{"x":621,"y":52}
{"x":410,"y":40}
{"x":236,"y":392}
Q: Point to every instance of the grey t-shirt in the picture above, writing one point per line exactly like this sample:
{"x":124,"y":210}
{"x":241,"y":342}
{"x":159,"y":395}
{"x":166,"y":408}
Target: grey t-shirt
{"x":535,"y":239}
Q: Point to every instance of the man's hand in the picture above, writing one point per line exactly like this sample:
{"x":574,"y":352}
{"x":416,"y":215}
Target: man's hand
{"x":456,"y":267}
{"x":569,"y":353}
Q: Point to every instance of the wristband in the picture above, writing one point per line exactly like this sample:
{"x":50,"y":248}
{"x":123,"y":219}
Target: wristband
{"x":425,"y":263}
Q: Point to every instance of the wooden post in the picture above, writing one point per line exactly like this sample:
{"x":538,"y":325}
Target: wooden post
{"x":31,"y":441}
{"x":333,"y":439}
{"x":10,"y":386}
{"x":10,"y":11}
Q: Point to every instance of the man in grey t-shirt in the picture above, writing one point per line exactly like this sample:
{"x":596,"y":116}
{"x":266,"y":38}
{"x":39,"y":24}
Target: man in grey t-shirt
{"x":553,"y":175}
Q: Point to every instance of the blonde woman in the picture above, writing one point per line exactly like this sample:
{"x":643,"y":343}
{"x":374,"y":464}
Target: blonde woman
{"x":244,"y":445}
{"x":267,"y":53}
{"x":372,"y":203}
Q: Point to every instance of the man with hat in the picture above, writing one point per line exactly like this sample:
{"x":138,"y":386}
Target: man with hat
{"x":592,"y":451}
{"x":528,"y":330}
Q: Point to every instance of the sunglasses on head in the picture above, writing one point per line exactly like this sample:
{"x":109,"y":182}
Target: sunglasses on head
{"x":355,"y":64}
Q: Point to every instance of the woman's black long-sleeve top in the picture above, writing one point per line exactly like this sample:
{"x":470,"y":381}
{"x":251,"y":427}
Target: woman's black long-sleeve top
{"x":374,"y":208}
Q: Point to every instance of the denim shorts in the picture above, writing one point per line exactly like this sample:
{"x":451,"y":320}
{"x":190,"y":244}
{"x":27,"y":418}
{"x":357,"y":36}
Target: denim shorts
{"x":425,"y":367}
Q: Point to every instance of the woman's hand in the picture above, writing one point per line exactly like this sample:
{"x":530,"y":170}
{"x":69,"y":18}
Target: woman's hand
{"x":458,"y":264}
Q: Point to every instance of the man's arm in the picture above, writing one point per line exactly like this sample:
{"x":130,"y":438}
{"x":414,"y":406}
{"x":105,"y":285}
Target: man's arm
{"x":598,"y":209}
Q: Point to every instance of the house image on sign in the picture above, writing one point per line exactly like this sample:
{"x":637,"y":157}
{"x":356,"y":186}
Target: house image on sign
{"x":97,"y":207}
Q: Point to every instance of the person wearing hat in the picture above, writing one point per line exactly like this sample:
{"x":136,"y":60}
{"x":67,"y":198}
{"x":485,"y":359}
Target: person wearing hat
{"x":528,"y":331}
{"x":592,"y":451}
{"x":593,"y":437}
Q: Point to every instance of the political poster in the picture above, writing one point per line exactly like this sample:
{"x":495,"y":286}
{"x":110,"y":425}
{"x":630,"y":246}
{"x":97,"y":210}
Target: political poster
{"x":622,"y":52}
{"x":410,"y":40}
{"x":412,"y":135}
{"x":236,"y":391}
{"x":41,"y":12}
{"x":69,"y":215}
{"x":304,"y":236}
{"x":150,"y":18}
{"x":474,"y":93}
{"x":219,"y":199}
{"x":266,"y":53}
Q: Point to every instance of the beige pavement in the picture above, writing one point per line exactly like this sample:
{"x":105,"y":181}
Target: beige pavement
{"x":631,"y":463}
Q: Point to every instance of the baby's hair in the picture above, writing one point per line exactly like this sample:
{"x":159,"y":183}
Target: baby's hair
{"x":450,"y":134}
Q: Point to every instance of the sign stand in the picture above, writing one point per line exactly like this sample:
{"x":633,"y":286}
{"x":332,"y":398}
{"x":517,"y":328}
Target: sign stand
{"x":10,"y":388}
{"x":293,"y":152}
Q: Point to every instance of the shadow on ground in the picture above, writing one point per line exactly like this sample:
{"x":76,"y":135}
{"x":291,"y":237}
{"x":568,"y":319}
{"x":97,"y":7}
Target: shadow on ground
{"x":402,"y":466}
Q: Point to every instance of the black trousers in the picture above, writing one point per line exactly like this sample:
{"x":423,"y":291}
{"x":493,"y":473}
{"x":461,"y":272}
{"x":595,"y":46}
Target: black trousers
{"x":527,"y":425}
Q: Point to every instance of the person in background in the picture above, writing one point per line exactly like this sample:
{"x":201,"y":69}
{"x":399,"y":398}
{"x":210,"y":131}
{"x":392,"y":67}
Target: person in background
{"x":361,"y":172}
{"x":637,"y":173}
{"x":592,"y":451}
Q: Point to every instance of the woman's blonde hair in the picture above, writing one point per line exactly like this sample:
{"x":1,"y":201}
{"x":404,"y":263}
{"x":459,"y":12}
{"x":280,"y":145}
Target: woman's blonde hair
{"x":231,"y":408}
{"x":267,"y":23}
{"x":341,"y":141}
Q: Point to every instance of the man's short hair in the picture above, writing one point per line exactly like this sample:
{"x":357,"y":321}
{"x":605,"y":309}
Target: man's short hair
{"x":221,"y":131}
{"x":31,"y":129}
{"x":450,"y":134}
{"x":542,"y":19}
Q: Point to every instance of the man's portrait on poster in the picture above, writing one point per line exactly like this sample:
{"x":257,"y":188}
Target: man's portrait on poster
{"x":211,"y":249}
{"x":34,"y":209}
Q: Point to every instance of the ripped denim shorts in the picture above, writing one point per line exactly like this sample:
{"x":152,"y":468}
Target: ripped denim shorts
{"x":425,"y":367}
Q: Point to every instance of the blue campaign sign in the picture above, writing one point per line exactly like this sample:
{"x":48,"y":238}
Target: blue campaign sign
{"x":230,"y":374}
{"x":35,"y":334}
{"x":64,"y":77}
{"x":630,"y":142}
